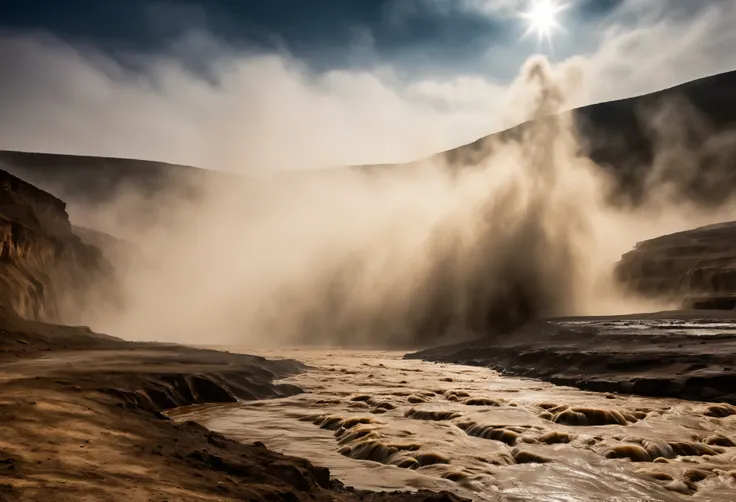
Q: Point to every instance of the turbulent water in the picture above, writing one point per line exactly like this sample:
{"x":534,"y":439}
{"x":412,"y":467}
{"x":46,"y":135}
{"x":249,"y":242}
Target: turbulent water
{"x":383,"y":423}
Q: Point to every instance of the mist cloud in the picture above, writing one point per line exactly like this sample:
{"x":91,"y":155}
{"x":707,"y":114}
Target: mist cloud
{"x":404,"y":257}
{"x":398,"y":258}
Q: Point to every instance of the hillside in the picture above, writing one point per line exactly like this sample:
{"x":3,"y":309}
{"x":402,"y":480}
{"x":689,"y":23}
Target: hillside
{"x":625,"y":136}
{"x":617,"y":135}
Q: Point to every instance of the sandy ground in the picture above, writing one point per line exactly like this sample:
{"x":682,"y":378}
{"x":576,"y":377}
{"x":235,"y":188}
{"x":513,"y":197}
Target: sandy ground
{"x":80,"y":420}
{"x":683,"y":354}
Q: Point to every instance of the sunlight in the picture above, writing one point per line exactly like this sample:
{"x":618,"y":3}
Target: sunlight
{"x":542,"y":18}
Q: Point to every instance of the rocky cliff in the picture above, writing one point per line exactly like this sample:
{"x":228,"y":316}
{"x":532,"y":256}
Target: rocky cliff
{"x":46,"y":271}
{"x":696,"y":267}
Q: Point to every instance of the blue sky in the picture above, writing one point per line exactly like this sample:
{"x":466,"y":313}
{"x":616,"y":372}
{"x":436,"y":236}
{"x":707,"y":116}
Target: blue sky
{"x":228,"y":83}
{"x":425,"y":36}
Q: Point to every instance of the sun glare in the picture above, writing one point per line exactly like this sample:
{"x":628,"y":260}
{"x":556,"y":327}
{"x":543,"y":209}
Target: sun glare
{"x":542,"y":18}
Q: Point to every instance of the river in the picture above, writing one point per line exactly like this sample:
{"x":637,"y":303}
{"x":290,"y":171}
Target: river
{"x":383,"y":423}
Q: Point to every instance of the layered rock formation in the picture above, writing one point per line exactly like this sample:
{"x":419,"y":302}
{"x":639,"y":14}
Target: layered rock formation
{"x":664,"y":354}
{"x":696,"y":267}
{"x":46,"y":271}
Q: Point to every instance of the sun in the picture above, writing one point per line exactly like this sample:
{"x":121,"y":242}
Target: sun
{"x":542,"y":18}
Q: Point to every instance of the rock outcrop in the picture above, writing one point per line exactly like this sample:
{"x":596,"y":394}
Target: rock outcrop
{"x":46,"y":271}
{"x":665,"y":354}
{"x":696,"y":267}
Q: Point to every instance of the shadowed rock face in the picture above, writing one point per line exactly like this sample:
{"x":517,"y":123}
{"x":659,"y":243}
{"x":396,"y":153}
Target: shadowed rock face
{"x":45,"y":270}
{"x":697,"y":267}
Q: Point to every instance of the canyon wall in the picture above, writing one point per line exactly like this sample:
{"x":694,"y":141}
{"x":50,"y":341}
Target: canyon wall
{"x":696,"y":268}
{"x":46,"y":272}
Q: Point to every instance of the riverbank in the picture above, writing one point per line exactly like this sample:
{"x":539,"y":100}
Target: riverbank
{"x":80,"y":415}
{"x":686,"y":354}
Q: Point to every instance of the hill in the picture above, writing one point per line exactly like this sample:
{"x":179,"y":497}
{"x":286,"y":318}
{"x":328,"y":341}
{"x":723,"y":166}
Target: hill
{"x":626,"y":136}
{"x":618,"y":135}
{"x":97,"y":179}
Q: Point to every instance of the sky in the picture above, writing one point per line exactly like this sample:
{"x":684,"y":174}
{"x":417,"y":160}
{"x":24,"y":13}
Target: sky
{"x":265,"y":85}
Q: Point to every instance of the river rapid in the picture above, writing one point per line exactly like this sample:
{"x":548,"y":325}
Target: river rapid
{"x":383,"y":423}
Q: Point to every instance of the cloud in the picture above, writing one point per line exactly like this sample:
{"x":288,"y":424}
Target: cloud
{"x":401,"y":257}
{"x":248,"y":112}
{"x":652,"y":45}
{"x":629,"y":48}
{"x":495,"y":8}
{"x":205,"y":103}
{"x":463,"y":91}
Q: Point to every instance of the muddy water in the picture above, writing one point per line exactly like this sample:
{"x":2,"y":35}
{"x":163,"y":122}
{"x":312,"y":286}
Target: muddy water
{"x":382,"y":423}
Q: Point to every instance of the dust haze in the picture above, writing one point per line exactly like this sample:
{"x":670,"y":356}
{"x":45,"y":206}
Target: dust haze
{"x":401,"y":257}
{"x":405,"y":256}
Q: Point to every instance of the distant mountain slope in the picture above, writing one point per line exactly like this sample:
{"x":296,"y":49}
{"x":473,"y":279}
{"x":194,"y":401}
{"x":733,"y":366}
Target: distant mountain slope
{"x":616,"y":132}
{"x":617,"y":135}
{"x":621,"y":136}
{"x":95,"y":179}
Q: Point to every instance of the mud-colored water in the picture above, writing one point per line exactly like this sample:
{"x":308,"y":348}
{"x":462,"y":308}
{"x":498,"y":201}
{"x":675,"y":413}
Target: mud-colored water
{"x":383,"y":423}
